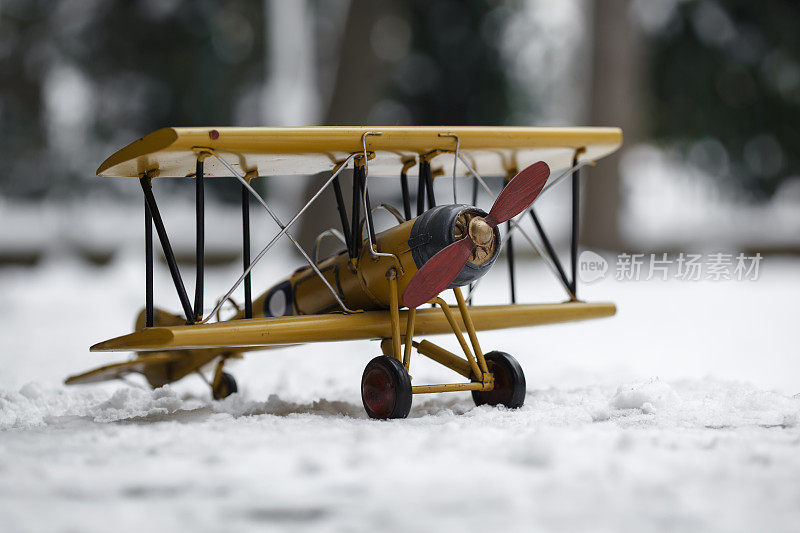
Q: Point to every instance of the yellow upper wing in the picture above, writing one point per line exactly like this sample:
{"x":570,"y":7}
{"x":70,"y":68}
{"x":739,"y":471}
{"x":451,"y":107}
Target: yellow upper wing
{"x":335,"y":327}
{"x":281,"y":151}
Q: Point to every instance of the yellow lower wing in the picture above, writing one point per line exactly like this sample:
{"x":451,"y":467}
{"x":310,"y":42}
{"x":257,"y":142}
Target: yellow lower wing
{"x":266,"y":332}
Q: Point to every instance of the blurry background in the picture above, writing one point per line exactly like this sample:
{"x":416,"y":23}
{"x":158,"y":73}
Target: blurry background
{"x":707,"y":93}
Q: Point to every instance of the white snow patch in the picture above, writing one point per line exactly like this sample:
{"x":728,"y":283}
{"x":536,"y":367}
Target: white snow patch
{"x":236,"y":405}
{"x":133,"y":403}
{"x":713,"y":445}
{"x":84,"y":454}
{"x":34,"y":405}
{"x":644,"y":396}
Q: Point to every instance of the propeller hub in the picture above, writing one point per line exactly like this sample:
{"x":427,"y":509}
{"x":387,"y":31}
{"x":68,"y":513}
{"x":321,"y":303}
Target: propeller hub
{"x":480,"y":232}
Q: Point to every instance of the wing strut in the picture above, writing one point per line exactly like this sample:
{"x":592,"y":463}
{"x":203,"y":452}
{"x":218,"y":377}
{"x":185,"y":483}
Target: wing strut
{"x":147,"y":189}
{"x":516,"y":227}
{"x":425,"y":168}
{"x":337,"y":191}
{"x":421,"y":188}
{"x":548,"y":246}
{"x":284,"y":230}
{"x":248,"y":290}
{"x":510,"y":247}
{"x":199,"y":213}
{"x":404,"y":187}
{"x":576,"y":220}
{"x":148,"y":261}
{"x":355,"y":213}
{"x":549,"y":253}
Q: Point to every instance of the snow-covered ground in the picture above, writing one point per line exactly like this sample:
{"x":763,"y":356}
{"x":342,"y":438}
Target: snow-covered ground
{"x":678,"y":414}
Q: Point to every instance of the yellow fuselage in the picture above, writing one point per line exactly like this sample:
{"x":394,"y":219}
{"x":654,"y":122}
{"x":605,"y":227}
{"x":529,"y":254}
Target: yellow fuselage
{"x":362,"y":283}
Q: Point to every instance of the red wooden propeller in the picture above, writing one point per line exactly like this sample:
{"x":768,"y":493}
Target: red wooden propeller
{"x":441,"y":269}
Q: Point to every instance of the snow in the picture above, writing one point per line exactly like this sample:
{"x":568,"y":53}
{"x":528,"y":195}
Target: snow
{"x":644,"y":396}
{"x":678,"y":414}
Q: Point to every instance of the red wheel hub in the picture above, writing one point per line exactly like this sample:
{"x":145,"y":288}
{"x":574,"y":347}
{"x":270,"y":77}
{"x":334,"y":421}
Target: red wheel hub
{"x":378,"y":392}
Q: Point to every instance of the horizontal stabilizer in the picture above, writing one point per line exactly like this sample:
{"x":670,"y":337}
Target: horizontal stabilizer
{"x":120,"y":370}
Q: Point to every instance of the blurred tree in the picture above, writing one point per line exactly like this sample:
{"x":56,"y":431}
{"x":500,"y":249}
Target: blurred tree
{"x":726,"y":81}
{"x":453,"y":73}
{"x":360,"y":78}
{"x":616,"y":100}
{"x":82,"y":78}
{"x":425,"y":62}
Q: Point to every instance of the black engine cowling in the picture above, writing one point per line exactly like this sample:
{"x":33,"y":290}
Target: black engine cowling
{"x":439,"y":227}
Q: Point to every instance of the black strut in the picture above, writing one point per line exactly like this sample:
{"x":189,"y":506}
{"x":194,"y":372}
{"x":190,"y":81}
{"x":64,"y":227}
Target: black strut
{"x":337,"y":190}
{"x":548,"y":246}
{"x":365,"y":192}
{"x":576,"y":216}
{"x":355,"y":220}
{"x":406,"y":195}
{"x":199,"y":214}
{"x":248,"y":289}
{"x":421,"y":190}
{"x":147,"y":189}
{"x":510,"y":251}
{"x":429,"y":185}
{"x":148,"y":261}
{"x":510,"y":256}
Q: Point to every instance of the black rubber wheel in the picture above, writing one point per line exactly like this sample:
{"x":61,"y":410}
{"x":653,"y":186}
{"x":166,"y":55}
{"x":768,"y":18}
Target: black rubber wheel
{"x":386,"y":388}
{"x":225,"y":387}
{"x":509,"y":382}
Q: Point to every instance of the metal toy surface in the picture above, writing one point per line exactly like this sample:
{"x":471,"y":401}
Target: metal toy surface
{"x":359,"y":293}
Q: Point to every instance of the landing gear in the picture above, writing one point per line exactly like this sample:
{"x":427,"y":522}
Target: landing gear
{"x":509,"y":382}
{"x":386,"y":388}
{"x":224,"y":386}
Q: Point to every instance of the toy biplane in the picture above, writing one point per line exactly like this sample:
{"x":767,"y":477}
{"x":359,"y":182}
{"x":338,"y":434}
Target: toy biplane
{"x":379,"y":285}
